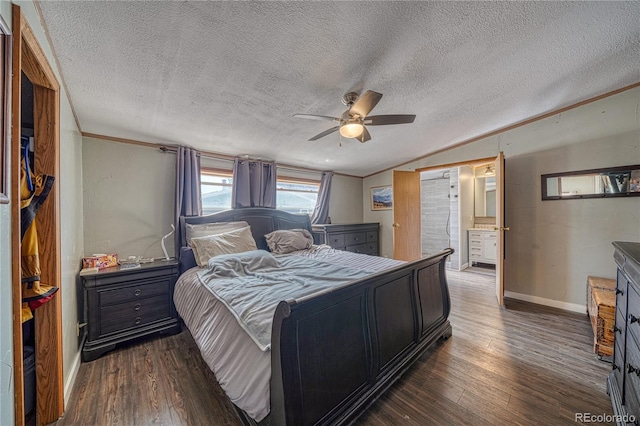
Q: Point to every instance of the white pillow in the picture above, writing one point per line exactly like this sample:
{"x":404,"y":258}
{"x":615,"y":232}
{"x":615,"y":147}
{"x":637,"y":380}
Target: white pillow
{"x":238,"y":241}
{"x":288,"y":240}
{"x":205,"y":229}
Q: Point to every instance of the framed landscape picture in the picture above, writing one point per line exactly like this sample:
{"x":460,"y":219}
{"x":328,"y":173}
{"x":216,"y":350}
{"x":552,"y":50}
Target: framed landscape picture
{"x":382,"y":197}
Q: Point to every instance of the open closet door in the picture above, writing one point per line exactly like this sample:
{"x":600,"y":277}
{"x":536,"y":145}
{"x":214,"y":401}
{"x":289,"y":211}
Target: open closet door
{"x":500,"y":228}
{"x":406,"y":216}
{"x":29,"y":59}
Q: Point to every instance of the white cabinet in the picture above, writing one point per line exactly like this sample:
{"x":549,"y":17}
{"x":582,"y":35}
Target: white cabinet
{"x":482,"y":246}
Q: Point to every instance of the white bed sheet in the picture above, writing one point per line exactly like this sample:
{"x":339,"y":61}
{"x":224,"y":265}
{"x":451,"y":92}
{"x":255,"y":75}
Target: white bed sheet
{"x":242,"y":369}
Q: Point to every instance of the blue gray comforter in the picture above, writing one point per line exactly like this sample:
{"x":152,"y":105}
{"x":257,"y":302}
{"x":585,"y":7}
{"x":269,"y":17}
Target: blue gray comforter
{"x":251,"y":284}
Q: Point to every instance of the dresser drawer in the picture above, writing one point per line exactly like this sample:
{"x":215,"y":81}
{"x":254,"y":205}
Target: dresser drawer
{"x":134,"y":314}
{"x":372,"y":237}
{"x":632,"y":378}
{"x":633,"y":314}
{"x":355,"y":238}
{"x":621,"y":293}
{"x":475,"y":235}
{"x":134,"y":292}
{"x":335,"y":240}
{"x":370,"y":249}
{"x":620,"y":326}
{"x":618,"y":365}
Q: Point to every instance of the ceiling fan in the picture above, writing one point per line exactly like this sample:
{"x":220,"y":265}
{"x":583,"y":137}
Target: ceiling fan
{"x":353,"y":120}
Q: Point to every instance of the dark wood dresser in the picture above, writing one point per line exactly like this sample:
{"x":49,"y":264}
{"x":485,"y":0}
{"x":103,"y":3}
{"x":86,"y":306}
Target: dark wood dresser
{"x":122,"y":304}
{"x":623,"y":384}
{"x":357,"y":238}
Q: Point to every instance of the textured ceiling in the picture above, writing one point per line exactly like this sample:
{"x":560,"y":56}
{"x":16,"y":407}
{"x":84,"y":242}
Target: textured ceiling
{"x":228,"y":76}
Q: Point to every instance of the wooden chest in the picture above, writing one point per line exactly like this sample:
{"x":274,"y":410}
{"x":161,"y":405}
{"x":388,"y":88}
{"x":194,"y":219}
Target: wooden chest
{"x":601,"y":307}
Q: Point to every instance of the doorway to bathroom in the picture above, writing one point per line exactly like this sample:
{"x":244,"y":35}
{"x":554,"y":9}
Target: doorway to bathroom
{"x":458,"y":210}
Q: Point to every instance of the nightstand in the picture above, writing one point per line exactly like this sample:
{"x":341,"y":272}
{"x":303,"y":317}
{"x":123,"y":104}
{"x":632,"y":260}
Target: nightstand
{"x":121,"y":304}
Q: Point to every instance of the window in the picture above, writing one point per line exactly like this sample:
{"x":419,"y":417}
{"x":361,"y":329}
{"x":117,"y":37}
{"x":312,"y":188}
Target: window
{"x":216,"y":190}
{"x":296,"y":195}
{"x":293,"y":195}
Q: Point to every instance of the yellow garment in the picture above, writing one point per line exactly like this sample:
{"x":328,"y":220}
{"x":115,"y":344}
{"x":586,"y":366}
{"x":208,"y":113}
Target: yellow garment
{"x":34,"y":293}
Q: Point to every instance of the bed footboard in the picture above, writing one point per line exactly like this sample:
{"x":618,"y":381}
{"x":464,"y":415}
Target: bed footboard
{"x":334,"y":353}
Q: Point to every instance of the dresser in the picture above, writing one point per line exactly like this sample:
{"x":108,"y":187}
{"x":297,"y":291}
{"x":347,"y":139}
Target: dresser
{"x":623,"y":384}
{"x":357,"y":238}
{"x":123,"y":304}
{"x":482,"y":246}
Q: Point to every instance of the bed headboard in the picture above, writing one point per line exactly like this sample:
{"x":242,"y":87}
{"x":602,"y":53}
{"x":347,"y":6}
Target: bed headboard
{"x":262,"y":221}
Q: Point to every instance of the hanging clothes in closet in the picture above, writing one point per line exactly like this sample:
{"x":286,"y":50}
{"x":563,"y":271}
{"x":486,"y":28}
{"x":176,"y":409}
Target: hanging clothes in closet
{"x":34,"y":190}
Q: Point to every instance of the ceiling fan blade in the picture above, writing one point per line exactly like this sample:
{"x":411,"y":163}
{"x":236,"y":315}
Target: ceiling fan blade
{"x":316,"y":117}
{"x":381,"y":120}
{"x":365,"y":136}
{"x":365,"y":103}
{"x":325,"y":133}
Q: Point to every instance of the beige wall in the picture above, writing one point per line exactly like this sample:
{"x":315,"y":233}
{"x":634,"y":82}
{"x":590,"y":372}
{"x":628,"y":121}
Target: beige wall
{"x":128,"y":198}
{"x":553,"y":245}
{"x":129,"y":193}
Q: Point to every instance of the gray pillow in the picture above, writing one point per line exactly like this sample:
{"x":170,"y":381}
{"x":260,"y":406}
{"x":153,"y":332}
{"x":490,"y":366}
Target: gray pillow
{"x":288,"y":240}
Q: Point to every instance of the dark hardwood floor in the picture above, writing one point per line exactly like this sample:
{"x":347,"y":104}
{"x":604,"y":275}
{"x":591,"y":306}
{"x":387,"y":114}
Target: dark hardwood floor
{"x":522,"y":364}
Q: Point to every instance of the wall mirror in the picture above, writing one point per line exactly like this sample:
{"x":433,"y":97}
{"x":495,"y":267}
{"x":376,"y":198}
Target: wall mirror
{"x":485,"y":196}
{"x":596,"y":183}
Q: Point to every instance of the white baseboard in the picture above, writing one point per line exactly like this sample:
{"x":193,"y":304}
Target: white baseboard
{"x":573,"y":307}
{"x":464,"y":266}
{"x":68,"y":386}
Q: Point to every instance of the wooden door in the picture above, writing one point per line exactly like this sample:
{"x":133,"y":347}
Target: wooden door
{"x":406,"y":216}
{"x":500,"y":228}
{"x":29,"y":58}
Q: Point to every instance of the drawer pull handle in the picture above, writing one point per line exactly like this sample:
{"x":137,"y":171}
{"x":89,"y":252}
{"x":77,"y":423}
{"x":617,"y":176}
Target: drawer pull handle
{"x":137,"y":292}
{"x":614,"y":367}
{"x":138,"y":320}
{"x":137,"y":307}
{"x":616,"y":330}
{"x":631,"y":369}
{"x":632,"y":319}
{"x":618,"y":291}
{"x":356,"y":238}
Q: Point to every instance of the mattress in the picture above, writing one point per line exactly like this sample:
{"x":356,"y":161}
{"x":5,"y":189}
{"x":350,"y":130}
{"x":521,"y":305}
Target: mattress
{"x":242,"y":369}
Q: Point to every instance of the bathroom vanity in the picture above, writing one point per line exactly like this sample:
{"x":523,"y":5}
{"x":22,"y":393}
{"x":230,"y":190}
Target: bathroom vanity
{"x":482,"y":246}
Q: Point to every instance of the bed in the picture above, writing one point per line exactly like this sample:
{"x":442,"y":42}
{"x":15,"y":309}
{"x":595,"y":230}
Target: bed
{"x":330,"y":353}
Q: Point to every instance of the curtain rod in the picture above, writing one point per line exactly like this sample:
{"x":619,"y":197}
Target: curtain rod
{"x":217,"y":156}
{"x":207,"y":154}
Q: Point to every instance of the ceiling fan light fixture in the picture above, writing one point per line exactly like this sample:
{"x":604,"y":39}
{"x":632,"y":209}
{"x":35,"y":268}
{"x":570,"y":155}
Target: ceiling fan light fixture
{"x":351,"y":129}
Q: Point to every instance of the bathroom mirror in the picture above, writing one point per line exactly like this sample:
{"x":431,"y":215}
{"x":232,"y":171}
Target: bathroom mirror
{"x":485,"y":196}
{"x":596,"y":183}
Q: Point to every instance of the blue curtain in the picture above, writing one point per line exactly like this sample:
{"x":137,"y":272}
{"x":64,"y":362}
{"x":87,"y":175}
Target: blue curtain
{"x":188,"y":192}
{"x":254,"y":184}
{"x":321,"y":211}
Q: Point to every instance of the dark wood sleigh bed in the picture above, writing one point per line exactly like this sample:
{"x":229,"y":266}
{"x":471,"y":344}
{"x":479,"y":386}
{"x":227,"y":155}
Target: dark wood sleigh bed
{"x":335,"y":352}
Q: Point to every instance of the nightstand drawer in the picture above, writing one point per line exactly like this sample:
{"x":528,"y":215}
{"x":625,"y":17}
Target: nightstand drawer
{"x":134,"y":292}
{"x":355,"y":238}
{"x":134,"y":314}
